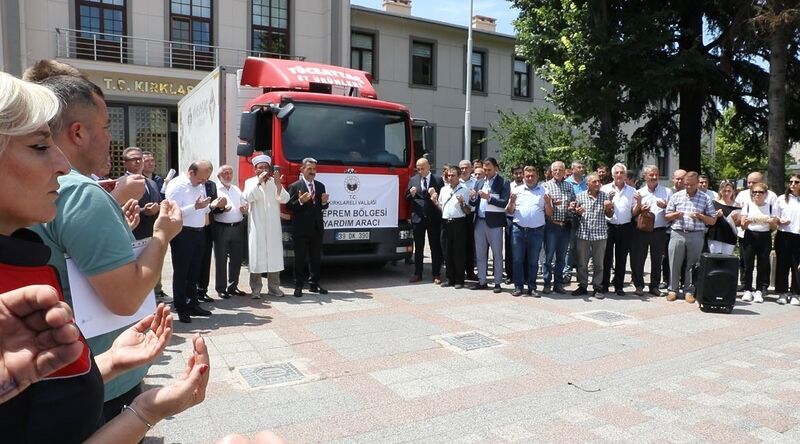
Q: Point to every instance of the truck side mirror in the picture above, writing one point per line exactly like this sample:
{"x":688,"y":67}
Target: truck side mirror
{"x":427,"y":138}
{"x":255,"y":132}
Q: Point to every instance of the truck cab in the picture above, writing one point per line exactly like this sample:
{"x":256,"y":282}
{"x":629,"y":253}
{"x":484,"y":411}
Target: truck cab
{"x":363,"y":147}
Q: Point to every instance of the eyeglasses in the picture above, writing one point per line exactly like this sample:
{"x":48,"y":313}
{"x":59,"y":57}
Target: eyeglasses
{"x":133,"y":159}
{"x":758,"y":192}
{"x":794,"y":181}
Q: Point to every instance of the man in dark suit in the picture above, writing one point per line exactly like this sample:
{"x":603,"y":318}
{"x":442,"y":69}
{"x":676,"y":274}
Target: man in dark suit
{"x":489,"y":197}
{"x":425,"y":218}
{"x":307,"y":199}
{"x":132,"y":158}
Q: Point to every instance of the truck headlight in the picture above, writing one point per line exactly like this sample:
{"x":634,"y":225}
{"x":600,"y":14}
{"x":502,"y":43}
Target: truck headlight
{"x":405,"y":234}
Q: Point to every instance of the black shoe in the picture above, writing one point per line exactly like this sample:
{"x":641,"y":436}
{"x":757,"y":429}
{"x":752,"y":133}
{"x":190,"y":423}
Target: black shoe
{"x":163,"y":297}
{"x":185,"y":318}
{"x":479,"y":287}
{"x":580,"y":291}
{"x":236,"y":292}
{"x":517,"y":292}
{"x":559,"y":289}
{"x":198,"y":311}
{"x":458,"y":286}
{"x":662,"y":286}
{"x":224,"y":295}
{"x":534,"y":293}
{"x":620,"y":292}
{"x":317,"y":289}
{"x":298,"y":292}
{"x":546,"y":289}
{"x":446,"y":284}
{"x":497,"y":288}
{"x":205,"y":298}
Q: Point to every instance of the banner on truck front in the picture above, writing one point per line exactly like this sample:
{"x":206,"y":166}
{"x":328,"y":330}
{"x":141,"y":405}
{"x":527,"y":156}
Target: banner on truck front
{"x":360,"y":200}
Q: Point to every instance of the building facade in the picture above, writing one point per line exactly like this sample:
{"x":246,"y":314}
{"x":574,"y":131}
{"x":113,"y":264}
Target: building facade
{"x":146,"y":55}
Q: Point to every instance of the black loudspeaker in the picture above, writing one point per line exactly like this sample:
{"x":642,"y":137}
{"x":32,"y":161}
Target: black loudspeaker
{"x":717,"y":277}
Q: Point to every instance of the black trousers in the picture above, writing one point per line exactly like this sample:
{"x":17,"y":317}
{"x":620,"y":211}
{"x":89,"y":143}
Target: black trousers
{"x":787,"y":258}
{"x":643,"y":241}
{"x":617,"y":247}
{"x":757,"y":248}
{"x":508,"y":265}
{"x":433,"y":229}
{"x":187,"y":248}
{"x":307,"y":257}
{"x":228,"y":253}
{"x":469,"y":251}
{"x":453,"y":233}
{"x":205,"y":264}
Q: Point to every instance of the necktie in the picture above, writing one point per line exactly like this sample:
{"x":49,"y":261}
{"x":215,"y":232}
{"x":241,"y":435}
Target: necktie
{"x":311,"y":189}
{"x":425,"y":183}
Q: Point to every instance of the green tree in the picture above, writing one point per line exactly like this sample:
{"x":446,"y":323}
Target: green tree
{"x":612,"y":62}
{"x":540,"y":137}
{"x":740,"y":148}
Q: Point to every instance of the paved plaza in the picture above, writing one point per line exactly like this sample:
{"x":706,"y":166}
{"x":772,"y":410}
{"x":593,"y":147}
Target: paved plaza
{"x":378,"y":360}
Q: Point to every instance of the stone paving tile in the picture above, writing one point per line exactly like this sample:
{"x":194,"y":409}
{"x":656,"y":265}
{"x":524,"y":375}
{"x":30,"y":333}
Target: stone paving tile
{"x":376,"y":335}
{"x":503,"y":317}
{"x":685,"y":324}
{"x":586,"y":346}
{"x":428,"y":379}
{"x":335,"y":302}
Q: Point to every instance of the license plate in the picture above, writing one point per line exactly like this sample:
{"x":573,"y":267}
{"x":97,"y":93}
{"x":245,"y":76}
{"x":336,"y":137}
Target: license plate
{"x":352,"y":235}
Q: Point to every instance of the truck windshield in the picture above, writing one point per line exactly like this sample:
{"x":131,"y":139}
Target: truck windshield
{"x":343,"y":135}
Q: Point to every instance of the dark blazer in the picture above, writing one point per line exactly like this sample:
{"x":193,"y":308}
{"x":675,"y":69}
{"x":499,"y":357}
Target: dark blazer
{"x":307,"y":220}
{"x":152,"y":195}
{"x":422,"y":209}
{"x":501,"y":187}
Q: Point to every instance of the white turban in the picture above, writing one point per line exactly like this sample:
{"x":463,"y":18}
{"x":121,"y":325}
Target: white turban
{"x":262,"y":158}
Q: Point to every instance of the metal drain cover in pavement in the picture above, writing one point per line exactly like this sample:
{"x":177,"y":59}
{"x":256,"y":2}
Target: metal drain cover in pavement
{"x":605,"y":317}
{"x":270,"y":374}
{"x":470,"y":341}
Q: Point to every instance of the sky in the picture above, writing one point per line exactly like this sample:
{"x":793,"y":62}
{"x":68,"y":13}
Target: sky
{"x":457,"y":11}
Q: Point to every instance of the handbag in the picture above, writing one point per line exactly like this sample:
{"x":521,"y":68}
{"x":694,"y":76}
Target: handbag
{"x":645,"y":221}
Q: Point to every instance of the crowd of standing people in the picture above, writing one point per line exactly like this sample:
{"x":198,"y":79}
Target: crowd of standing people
{"x":569,"y":220}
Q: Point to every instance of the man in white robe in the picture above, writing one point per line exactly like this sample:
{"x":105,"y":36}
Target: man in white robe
{"x":265,"y":193}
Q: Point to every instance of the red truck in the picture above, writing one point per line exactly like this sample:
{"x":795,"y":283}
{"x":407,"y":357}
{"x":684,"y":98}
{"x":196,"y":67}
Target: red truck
{"x":364,"y":149}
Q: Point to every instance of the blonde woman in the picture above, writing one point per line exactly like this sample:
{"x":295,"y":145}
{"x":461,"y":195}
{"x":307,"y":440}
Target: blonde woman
{"x":758,"y":219}
{"x":66,"y":407}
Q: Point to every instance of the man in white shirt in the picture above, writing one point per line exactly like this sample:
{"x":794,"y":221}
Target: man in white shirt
{"x":652,"y":197}
{"x":620,"y":228}
{"x":528,"y":206}
{"x":468,"y":180}
{"x":228,"y":233}
{"x":452,"y":201}
{"x":189,"y":193}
